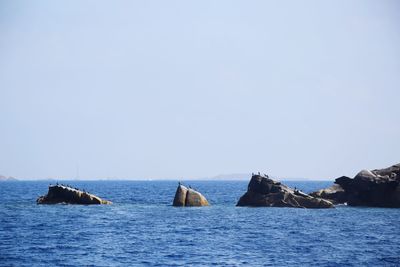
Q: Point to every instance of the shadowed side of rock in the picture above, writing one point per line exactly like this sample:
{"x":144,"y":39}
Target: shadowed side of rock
{"x":64,"y":194}
{"x":180,"y":196}
{"x":265,"y":192}
{"x":376,"y":188}
{"x":187,"y":197}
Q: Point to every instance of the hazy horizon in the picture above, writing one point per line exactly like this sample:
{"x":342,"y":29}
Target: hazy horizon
{"x":181,"y":179}
{"x":196,"y":89}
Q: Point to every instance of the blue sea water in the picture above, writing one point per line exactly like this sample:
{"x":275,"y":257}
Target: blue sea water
{"x":141,"y":228}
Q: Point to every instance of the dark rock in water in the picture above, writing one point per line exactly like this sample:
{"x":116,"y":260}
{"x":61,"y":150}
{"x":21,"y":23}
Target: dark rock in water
{"x":376,"y":188}
{"x":265,"y":192}
{"x":187,"y":197}
{"x":64,"y":194}
{"x":334,"y":194}
{"x":180,"y":196}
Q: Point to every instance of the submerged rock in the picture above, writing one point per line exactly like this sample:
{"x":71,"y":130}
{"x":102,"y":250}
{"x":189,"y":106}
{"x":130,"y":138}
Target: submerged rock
{"x":65,"y":194}
{"x":187,"y":197}
{"x":265,"y":192}
{"x":376,"y":188}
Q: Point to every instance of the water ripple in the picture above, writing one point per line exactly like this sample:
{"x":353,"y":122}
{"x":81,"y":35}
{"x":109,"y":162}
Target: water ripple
{"x":141,"y":228}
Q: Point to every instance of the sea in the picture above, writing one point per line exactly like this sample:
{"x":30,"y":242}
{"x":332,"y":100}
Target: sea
{"x":142,"y":228}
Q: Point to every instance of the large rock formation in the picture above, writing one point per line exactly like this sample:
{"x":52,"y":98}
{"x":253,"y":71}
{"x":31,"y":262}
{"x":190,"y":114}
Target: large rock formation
{"x":334,"y":194}
{"x":187,"y":197}
{"x":376,"y":188}
{"x":265,"y":192}
{"x":69,"y":195}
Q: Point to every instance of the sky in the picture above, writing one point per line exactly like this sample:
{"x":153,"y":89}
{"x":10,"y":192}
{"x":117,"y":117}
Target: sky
{"x":194,"y":89}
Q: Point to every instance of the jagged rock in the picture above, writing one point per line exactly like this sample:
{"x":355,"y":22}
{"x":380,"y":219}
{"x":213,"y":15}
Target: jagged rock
{"x":265,"y":192}
{"x":376,"y":188}
{"x":65,"y":194}
{"x":187,"y":197}
{"x":334,"y":194}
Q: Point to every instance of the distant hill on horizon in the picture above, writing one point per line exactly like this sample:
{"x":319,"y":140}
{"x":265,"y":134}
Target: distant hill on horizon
{"x":7,"y":179}
{"x":232,"y":176}
{"x":247,"y":176}
{"x":220,"y":177}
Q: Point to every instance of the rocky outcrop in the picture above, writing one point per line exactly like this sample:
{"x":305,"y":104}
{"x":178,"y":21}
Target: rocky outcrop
{"x":188,"y":197}
{"x":376,"y":188}
{"x":334,"y":194}
{"x":265,"y":192}
{"x":65,"y":194}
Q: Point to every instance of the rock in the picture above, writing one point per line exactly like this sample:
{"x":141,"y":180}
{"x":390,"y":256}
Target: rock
{"x":64,"y":194}
{"x":334,"y":194}
{"x":180,"y":196}
{"x":265,"y":192}
{"x":187,"y":197}
{"x":195,"y":199}
{"x":376,"y":188}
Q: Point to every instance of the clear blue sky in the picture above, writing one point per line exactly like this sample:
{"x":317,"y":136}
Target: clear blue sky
{"x":164,"y":89}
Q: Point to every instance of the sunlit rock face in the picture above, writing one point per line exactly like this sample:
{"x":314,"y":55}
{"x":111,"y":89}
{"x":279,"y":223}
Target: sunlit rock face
{"x":68,"y":195}
{"x":187,"y":197}
{"x":265,"y":192}
{"x":334,"y":194}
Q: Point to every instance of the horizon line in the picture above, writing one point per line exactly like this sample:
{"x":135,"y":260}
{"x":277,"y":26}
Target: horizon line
{"x":166,"y":179}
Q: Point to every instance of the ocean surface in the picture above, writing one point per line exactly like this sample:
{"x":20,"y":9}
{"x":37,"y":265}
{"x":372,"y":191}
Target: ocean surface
{"x":141,"y":228}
